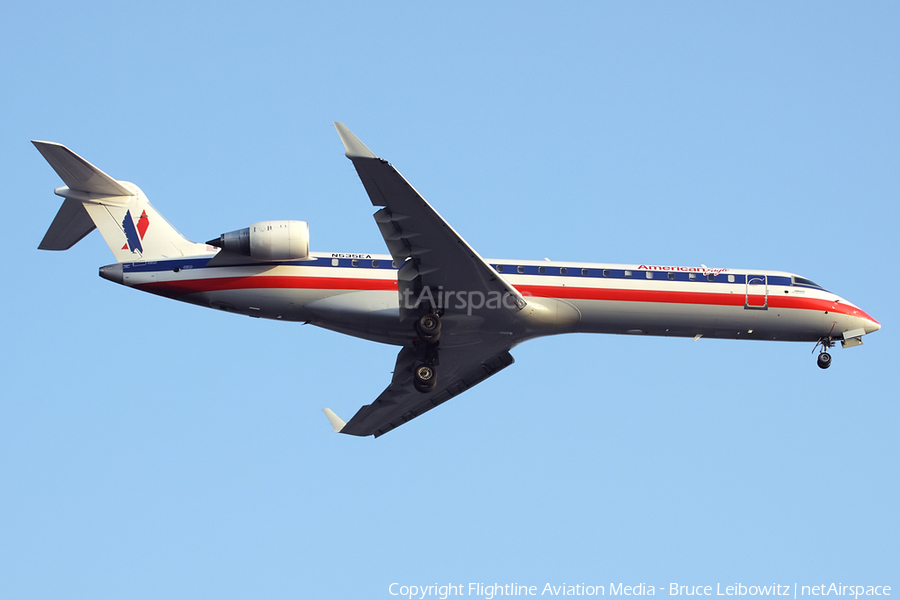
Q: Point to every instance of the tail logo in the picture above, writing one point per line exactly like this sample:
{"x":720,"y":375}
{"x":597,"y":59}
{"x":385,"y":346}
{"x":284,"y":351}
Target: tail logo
{"x":134,"y":235}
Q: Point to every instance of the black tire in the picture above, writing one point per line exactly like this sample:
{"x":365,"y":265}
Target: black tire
{"x":428,"y":327}
{"x":424,"y":378}
{"x":824,"y":360}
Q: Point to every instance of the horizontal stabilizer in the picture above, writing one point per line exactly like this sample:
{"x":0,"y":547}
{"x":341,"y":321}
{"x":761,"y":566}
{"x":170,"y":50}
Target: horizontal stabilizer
{"x":336,"y":422}
{"x":72,"y":223}
{"x":77,"y":173}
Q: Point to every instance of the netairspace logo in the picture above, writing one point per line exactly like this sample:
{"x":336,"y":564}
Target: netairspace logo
{"x":459,"y":300}
{"x":490,"y":591}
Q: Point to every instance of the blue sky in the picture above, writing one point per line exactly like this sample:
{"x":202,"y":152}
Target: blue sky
{"x":154,"y":449}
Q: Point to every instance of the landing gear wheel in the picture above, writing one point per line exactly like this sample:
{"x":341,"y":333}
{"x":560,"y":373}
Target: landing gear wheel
{"x":429,"y":328}
{"x":824,"y":360}
{"x":424,"y":378}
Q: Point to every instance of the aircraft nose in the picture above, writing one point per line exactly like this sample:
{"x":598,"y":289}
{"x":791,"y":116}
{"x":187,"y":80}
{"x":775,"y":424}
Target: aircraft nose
{"x":868,"y":324}
{"x":871,"y":325}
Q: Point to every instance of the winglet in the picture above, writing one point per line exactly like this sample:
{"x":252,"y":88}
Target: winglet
{"x":354,"y":148}
{"x":335,"y":420}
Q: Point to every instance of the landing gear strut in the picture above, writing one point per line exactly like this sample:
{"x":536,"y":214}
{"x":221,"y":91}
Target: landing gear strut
{"x":824,"y":359}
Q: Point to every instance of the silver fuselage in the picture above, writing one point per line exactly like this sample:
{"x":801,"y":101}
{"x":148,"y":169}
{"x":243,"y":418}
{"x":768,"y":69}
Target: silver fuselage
{"x":356,"y":294}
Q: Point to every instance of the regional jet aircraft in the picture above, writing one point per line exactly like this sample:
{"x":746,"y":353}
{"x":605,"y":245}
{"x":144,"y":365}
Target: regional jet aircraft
{"x":454,"y":315}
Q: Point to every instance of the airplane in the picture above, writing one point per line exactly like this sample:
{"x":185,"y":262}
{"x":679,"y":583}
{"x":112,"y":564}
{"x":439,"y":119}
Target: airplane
{"x":454,"y":315}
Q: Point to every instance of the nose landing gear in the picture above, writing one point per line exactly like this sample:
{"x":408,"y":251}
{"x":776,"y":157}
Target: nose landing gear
{"x":824,"y":359}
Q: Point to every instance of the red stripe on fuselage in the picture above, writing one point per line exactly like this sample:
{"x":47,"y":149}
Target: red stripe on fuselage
{"x":701,"y":298}
{"x":218,"y":284}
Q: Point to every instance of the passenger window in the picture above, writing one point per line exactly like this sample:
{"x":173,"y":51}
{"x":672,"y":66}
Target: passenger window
{"x":627,"y":273}
{"x":375,"y":264}
{"x":606,"y":273}
{"x":672,"y":276}
{"x":710,"y":277}
{"x":563,"y":271}
{"x":335,"y":262}
{"x":355,"y":262}
{"x":520,"y":269}
{"x":692,"y":276}
{"x":499,"y":268}
{"x":731,"y":279}
{"x":649,"y":274}
{"x":585,"y":272}
{"x":542,"y":270}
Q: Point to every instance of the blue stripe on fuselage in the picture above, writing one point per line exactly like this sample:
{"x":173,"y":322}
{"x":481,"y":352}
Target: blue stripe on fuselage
{"x":506,"y":269}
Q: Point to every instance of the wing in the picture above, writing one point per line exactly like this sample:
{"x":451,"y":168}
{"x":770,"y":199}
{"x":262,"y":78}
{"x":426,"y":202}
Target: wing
{"x":437,"y":261}
{"x":477,"y":305}
{"x":461,"y":367}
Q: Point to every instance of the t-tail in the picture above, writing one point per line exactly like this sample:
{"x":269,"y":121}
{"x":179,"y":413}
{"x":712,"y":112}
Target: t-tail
{"x":132,"y":228}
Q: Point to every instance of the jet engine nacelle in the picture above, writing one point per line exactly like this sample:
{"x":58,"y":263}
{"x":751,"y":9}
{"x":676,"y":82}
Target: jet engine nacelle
{"x":268,"y":240}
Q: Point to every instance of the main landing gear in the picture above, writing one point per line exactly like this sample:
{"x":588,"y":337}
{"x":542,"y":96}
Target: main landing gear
{"x":428,"y":328}
{"x":424,"y":378}
{"x":824,"y":359}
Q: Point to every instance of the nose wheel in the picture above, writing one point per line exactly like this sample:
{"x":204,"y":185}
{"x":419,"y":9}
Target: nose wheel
{"x":824,"y":359}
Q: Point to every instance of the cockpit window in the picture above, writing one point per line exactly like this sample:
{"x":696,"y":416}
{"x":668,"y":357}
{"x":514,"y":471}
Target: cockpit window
{"x":807,"y":282}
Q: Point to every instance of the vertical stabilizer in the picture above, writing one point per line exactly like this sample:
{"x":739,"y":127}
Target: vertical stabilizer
{"x":132,"y":228}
